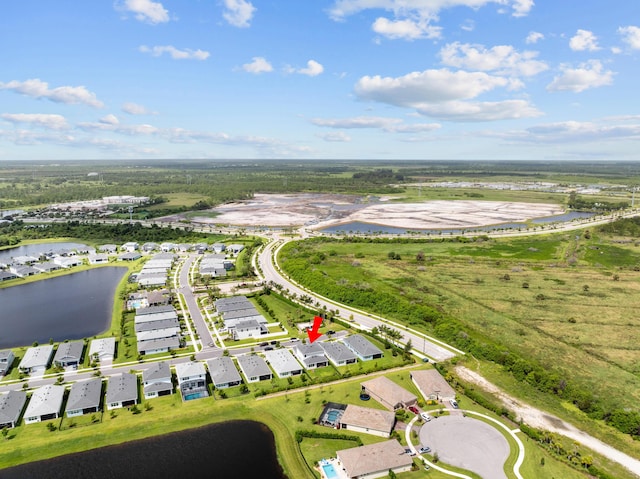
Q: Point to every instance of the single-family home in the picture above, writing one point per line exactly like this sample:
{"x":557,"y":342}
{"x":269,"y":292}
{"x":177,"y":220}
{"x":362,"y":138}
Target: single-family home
{"x":45,"y":404}
{"x":363,"y":348}
{"x":11,"y":407}
{"x":122,"y":391}
{"x":7,"y":275}
{"x":156,"y":380}
{"x":159,"y":345}
{"x":283,"y":362}
{"x":167,"y":247}
{"x":218,"y":247}
{"x":152,"y":280}
{"x":47,"y":267}
{"x":223,"y":372}
{"x":192,"y":380}
{"x":432,"y":385}
{"x":149,"y":247}
{"x":311,"y":355}
{"x":108,"y":248}
{"x":24,"y":259}
{"x":388,"y":393}
{"x":69,"y":354}
{"x":130,"y":256}
{"x":100,"y":258}
{"x":247,"y":329}
{"x":84,"y":397}
{"x":254,"y":368}
{"x":375,"y":460}
{"x":103,"y":349}
{"x":338,"y":353}
{"x":183,"y":247}
{"x":36,"y":359}
{"x":232,"y":318}
{"x":235,"y":248}
{"x":158,"y":298}
{"x":368,"y":420}
{"x":232,"y":303}
{"x":67,"y":262}
{"x":169,"y":323}
{"x":23,"y":271}
{"x":6,"y":360}
{"x":130,"y":247}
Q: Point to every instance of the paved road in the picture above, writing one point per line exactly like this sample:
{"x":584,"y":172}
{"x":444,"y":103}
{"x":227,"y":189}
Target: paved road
{"x":428,"y":347}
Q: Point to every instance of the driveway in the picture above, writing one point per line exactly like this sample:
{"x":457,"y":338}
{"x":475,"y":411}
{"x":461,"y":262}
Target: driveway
{"x":467,"y":443}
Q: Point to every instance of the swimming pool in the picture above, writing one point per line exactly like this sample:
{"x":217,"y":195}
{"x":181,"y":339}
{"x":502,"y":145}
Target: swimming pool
{"x":329,"y":471}
{"x":333,"y":415}
{"x":201,"y":394}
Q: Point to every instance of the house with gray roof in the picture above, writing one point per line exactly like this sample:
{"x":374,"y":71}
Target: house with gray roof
{"x":338,"y":353}
{"x":69,"y":354}
{"x":311,"y":355}
{"x":254,"y":368}
{"x":45,"y":404}
{"x":223,"y":372}
{"x":99,"y":258}
{"x":66,"y":262}
{"x":7,"y":275}
{"x":283,"y":362}
{"x":130,"y":247}
{"x":152,"y":280}
{"x":171,"y":323}
{"x":192,"y":380}
{"x":156,"y":380}
{"x":160,"y":345}
{"x":108,"y":248}
{"x":47,"y":267}
{"x":84,"y":397}
{"x":156,"y":309}
{"x":150,"y":246}
{"x":246,"y":329}
{"x":11,"y":407}
{"x":218,"y":247}
{"x":122,"y":391}
{"x":104,"y":349}
{"x":36,"y":359}
{"x":363,"y":348}
{"x":6,"y":360}
{"x":23,"y":271}
{"x":233,"y":303}
{"x":132,"y":256}
{"x":235,"y":248}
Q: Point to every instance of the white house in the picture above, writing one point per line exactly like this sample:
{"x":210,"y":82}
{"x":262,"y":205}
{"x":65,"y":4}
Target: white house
{"x":45,"y":404}
{"x":283,"y":362}
{"x":156,"y":380}
{"x":36,"y":359}
{"x":254,"y":368}
{"x":247,"y":329}
{"x":104,"y":349}
{"x":192,"y":380}
{"x":11,"y":406}
{"x":311,"y":355}
{"x":130,"y":247}
{"x":6,"y":360}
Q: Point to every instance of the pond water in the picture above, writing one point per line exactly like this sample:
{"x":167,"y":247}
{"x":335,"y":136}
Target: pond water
{"x":234,"y":449}
{"x":37,"y":249}
{"x":74,"y":306}
{"x":360,"y":227}
{"x":571,"y":215}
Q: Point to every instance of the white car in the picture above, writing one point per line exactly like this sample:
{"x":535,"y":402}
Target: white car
{"x":425,"y":416}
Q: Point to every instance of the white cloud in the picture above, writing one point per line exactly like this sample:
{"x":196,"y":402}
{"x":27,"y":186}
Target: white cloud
{"x":117,"y":127}
{"x":421,"y":8}
{"x":109,"y":120}
{"x":135,"y":109}
{"x":587,"y":75}
{"x":146,"y":11}
{"x":50,"y":121}
{"x":584,"y":40}
{"x":631,"y":36}
{"x":176,"y":54}
{"x":394,"y":125}
{"x":36,"y":88}
{"x":576,"y":132}
{"x":441,"y":94}
{"x":312,"y":69}
{"x":238,"y":12}
{"x":534,"y":37}
{"x":258,"y":65}
{"x":336,"y":136}
{"x":407,"y":29}
{"x":501,"y":59}
{"x":468,"y":25}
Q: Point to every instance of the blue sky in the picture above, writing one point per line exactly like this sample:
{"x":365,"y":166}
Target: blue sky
{"x":340,"y":79}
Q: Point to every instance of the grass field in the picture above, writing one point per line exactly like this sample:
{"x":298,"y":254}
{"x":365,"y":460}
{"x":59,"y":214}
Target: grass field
{"x":569,"y":301}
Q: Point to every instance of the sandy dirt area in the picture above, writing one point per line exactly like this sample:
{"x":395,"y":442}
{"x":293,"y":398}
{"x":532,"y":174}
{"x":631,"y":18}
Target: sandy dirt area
{"x":323,"y":210}
{"x":539,"y":419}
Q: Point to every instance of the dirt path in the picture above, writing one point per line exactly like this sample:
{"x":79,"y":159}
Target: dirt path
{"x":542,"y":420}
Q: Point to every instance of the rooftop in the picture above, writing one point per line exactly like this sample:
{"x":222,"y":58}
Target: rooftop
{"x":379,"y":457}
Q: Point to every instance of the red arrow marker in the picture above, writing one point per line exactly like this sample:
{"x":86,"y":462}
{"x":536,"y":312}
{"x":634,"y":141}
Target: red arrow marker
{"x":313,"y":332}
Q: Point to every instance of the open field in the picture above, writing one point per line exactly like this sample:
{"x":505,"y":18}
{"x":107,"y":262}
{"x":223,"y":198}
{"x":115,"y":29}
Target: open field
{"x":569,"y":302}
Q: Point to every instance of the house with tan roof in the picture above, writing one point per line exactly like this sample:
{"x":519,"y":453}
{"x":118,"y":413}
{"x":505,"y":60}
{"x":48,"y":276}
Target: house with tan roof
{"x":388,"y":393}
{"x":368,"y":420}
{"x":375,"y":460}
{"x":432,"y":385}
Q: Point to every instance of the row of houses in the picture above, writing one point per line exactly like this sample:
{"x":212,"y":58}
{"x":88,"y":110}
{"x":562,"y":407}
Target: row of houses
{"x":155,"y":272}
{"x":240,"y":317}
{"x":168,"y":247}
{"x":157,"y":329}
{"x":215,"y":265}
{"x":37,"y":359}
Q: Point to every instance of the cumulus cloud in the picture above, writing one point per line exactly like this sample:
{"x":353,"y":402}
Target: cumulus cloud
{"x":49,"y":121}
{"x":584,"y":40}
{"x":501,"y":59}
{"x":135,"y":109}
{"x":336,"y":136}
{"x":238,"y":12}
{"x":109,"y":120}
{"x":36,"y":88}
{"x":631,"y":36}
{"x":406,"y":29}
{"x":146,"y":11}
{"x":442,"y":94}
{"x":576,"y":132}
{"x":312,"y":69}
{"x":174,"y":53}
{"x":117,"y":127}
{"x":258,"y":65}
{"x":588,"y":75}
{"x":534,"y":37}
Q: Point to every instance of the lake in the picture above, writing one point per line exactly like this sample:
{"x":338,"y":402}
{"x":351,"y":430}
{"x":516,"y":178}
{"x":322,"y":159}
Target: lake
{"x":234,"y":449}
{"x":37,"y":249}
{"x":74,"y":306}
{"x":367,"y":228}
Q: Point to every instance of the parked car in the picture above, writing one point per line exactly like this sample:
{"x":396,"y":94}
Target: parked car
{"x":410,"y":452}
{"x":414,"y":410}
{"x":454,"y":404}
{"x":268,"y":348}
{"x":273,"y":343}
{"x":425,"y":360}
{"x":264,"y":344}
{"x":426,"y":417}
{"x":424,"y":450}
{"x":294,"y":340}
